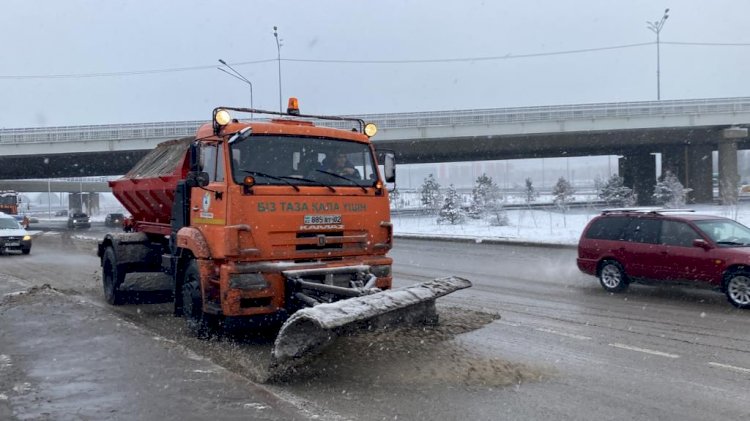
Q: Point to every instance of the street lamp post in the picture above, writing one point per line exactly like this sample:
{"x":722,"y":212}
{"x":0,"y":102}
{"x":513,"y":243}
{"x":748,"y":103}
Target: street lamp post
{"x":656,"y":27}
{"x":238,"y":75}
{"x":278,"y":58}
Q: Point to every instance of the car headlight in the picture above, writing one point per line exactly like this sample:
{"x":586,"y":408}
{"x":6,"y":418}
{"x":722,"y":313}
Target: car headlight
{"x":26,"y":238}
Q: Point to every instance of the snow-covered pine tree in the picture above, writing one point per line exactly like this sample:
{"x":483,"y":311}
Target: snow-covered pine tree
{"x":614,"y":192}
{"x":451,"y":211}
{"x":563,"y":193}
{"x":430,"y":195}
{"x":530,"y":193}
{"x":484,"y":196}
{"x":669,"y":192}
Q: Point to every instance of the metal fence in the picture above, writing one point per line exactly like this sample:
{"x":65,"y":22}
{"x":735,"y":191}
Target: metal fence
{"x":492,"y":116}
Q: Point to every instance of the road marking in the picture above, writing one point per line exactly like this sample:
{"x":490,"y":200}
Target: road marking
{"x":730,"y":367}
{"x":644,"y":350}
{"x":503,"y":322}
{"x":567,"y":335}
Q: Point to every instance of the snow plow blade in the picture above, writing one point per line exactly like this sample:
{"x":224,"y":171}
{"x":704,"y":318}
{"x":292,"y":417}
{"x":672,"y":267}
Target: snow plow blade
{"x":310,"y":330}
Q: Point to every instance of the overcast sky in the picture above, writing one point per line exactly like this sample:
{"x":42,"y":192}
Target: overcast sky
{"x":83,"y":37}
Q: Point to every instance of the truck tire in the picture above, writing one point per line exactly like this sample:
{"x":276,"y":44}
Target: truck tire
{"x":112,"y":278}
{"x":198,"y":322}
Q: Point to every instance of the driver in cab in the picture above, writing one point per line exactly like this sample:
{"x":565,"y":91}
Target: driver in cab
{"x":343,"y":167}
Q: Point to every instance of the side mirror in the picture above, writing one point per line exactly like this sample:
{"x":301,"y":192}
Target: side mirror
{"x":197,"y":179}
{"x":195,"y":153}
{"x":389,"y":167}
{"x":699,"y":242}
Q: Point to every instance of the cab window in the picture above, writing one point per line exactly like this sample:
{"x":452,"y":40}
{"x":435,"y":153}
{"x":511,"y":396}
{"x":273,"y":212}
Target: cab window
{"x":212,"y":160}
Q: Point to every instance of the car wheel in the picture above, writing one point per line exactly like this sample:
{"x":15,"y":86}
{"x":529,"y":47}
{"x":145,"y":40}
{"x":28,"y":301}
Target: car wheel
{"x":737,"y":288}
{"x":112,"y":278}
{"x":612,"y":276}
{"x":26,"y":251}
{"x":198,"y":322}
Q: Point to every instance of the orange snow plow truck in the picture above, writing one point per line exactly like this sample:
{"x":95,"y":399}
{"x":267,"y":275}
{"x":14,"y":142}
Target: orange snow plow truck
{"x":265,"y":224}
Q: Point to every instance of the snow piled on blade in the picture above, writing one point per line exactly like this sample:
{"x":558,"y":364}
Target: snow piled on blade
{"x":311,"y":329}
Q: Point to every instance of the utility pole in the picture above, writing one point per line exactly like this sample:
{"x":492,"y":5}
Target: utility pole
{"x":278,"y":58}
{"x":656,"y":27}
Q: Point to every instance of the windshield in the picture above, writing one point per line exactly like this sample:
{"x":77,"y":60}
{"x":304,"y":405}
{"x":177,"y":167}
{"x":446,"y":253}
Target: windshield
{"x":9,"y":224}
{"x":725,"y":232}
{"x":284,"y":160}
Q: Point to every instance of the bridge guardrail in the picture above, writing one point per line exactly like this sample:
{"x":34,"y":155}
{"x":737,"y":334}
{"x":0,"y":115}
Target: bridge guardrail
{"x":176,"y":129}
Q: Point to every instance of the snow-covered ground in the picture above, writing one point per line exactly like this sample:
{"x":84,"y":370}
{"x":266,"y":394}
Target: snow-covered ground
{"x":536,"y":226}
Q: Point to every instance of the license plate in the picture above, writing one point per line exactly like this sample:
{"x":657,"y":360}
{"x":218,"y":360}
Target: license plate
{"x":12,"y":244}
{"x":322,"y":219}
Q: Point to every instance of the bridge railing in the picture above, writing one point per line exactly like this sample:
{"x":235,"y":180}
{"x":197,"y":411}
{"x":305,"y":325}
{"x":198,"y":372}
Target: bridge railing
{"x":488,"y":116}
{"x":172,"y":129}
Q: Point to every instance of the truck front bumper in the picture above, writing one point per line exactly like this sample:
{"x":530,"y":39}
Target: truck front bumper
{"x":247,"y":289}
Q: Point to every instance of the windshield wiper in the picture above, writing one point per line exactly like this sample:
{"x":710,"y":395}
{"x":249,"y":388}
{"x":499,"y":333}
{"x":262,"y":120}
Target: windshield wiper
{"x":273,"y":177}
{"x":343,"y":178}
{"x":316,"y":182}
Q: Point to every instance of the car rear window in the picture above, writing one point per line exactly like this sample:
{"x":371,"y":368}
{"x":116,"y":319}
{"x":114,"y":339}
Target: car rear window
{"x":608,"y":228}
{"x":643,"y":230}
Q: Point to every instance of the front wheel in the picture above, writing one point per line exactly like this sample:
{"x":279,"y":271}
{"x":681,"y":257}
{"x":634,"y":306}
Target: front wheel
{"x":612,"y":276}
{"x":197,"y":321}
{"x":112,"y":278}
{"x":737,"y":288}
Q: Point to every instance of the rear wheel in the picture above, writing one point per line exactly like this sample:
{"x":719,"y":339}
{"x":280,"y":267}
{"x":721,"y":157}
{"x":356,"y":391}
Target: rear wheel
{"x":737,"y":288}
{"x":112,"y":278}
{"x":612,"y":276}
{"x":198,"y":322}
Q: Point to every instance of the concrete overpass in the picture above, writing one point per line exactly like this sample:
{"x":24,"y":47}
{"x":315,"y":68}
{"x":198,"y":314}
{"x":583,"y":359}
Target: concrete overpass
{"x":55,"y":186}
{"x":685,"y":132}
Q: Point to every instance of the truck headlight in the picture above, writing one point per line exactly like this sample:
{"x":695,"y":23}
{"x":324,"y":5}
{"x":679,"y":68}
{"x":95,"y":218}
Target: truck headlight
{"x":251,"y":281}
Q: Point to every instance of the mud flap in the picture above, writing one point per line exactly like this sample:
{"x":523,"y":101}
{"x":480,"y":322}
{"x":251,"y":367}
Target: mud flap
{"x":310,"y":330}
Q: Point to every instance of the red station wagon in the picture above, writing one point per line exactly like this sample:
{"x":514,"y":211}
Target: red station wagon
{"x":630,"y":245}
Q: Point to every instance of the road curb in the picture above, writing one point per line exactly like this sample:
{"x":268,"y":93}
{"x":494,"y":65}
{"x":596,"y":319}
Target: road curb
{"x":480,"y":240}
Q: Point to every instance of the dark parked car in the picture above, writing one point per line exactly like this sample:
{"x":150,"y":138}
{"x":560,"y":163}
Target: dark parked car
{"x":114,"y":220}
{"x":78,"y":220}
{"x":623,"y":246}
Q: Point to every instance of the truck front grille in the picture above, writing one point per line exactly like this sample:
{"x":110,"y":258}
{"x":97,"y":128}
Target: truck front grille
{"x":320,"y":241}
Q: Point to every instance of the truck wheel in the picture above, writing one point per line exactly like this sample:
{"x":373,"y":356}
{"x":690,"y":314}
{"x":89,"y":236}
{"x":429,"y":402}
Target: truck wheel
{"x":612,"y":276}
{"x":112,"y":278}
{"x":192,"y":302}
{"x":737,"y":288}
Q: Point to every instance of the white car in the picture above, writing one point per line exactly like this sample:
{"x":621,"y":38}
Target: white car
{"x":12,"y":236}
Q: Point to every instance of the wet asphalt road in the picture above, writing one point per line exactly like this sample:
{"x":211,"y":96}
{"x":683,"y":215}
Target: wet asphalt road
{"x":563,"y":348}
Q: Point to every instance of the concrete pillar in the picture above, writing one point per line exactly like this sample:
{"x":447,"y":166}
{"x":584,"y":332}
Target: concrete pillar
{"x":674,"y":160}
{"x":638,"y":170}
{"x":692,"y":166}
{"x":698,"y":173}
{"x":729,"y":176}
